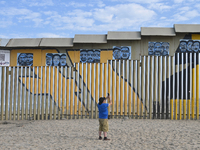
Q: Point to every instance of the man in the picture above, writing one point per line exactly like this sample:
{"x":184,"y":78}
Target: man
{"x":103,"y":116}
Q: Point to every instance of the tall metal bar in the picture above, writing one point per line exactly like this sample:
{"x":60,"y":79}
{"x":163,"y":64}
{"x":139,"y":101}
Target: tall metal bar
{"x":147,"y":85}
{"x":151,"y":87}
{"x":111,"y":87}
{"x":86,"y":87}
{"x":49,"y":102}
{"x":78,"y":87}
{"x":21,"y":86}
{"x":128,"y":88}
{"x":121,"y":111}
{"x":155,"y":101}
{"x":70,"y":86}
{"x":1,"y":99}
{"x":32,"y":104}
{"x":13,"y":92}
{"x":58,"y":109}
{"x":7,"y":99}
{"x":10,"y":98}
{"x":66,"y":102}
{"x":41,"y":88}
{"x":29,"y":93}
{"x":74,"y":102}
{"x":198,"y":90}
{"x":142,"y":106}
{"x":165,"y":87}
{"x":37,"y":89}
{"x":103,"y":72}
{"x":82,"y":87}
{"x":61,"y":93}
{"x":173,"y":99}
{"x":94,"y":93}
{"x":90,"y":98}
{"x":124,"y":101}
{"x":177,"y":98}
{"x":44,"y":98}
{"x":115,"y":89}
{"x":186,"y":88}
{"x":169,"y":83}
{"x":53,"y":95}
{"x":25,"y":94}
{"x":159,"y":111}
{"x":194,"y":87}
{"x":95,"y":99}
{"x":98,"y":93}
{"x":189,"y":101}
{"x":182,"y":86}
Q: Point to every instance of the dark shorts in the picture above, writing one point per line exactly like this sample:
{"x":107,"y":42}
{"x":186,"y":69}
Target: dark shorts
{"x":103,"y":125}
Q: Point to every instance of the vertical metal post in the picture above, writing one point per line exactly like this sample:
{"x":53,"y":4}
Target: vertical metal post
{"x":49,"y":112}
{"x":41,"y":87}
{"x":186,"y":87}
{"x":44,"y":98}
{"x":74,"y":102}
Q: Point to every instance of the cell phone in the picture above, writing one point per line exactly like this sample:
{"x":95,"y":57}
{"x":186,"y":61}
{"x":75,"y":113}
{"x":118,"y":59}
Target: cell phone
{"x":108,"y":94}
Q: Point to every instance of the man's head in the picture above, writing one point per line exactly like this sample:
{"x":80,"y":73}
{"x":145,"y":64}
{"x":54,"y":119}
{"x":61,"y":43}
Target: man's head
{"x":101,"y":100}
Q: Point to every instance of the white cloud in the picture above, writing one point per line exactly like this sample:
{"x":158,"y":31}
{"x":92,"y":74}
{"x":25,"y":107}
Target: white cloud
{"x":139,"y":1}
{"x":51,"y":35}
{"x":75,"y":4}
{"x":2,"y":2}
{"x":186,"y":15}
{"x":178,"y":1}
{"x":160,"y":6}
{"x":38,"y":2}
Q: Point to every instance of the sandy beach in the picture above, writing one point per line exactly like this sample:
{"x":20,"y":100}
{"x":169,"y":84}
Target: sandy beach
{"x":83,"y":134}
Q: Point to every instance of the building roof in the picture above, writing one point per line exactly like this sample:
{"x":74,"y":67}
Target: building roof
{"x":117,"y":35}
{"x":56,"y":42}
{"x":25,"y":42}
{"x":157,"y":31}
{"x":90,"y":38}
{"x":187,"y":28}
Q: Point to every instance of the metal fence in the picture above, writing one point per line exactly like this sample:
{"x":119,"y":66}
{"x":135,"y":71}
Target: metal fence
{"x":155,"y":87}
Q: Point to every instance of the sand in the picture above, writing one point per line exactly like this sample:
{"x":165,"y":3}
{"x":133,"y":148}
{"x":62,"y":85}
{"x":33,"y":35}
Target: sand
{"x":83,"y":134}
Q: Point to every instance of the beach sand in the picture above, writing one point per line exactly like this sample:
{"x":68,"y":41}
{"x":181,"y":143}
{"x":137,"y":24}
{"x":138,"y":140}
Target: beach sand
{"x":83,"y":134}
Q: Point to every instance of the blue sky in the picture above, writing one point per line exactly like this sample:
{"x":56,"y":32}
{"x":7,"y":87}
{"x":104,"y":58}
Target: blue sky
{"x":65,"y":18}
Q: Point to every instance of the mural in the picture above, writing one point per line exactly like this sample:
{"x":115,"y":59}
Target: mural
{"x":189,"y":46}
{"x":158,"y":48}
{"x":4,"y":58}
{"x":90,"y":56}
{"x":24,"y":59}
{"x":122,"y":52}
{"x":56,"y":59}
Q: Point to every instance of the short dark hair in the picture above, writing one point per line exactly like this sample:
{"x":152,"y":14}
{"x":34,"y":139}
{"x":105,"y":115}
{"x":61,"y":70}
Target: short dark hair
{"x":101,"y":99}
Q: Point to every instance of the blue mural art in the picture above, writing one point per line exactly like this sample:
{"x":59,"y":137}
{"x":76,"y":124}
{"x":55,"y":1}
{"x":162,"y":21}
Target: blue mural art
{"x":24,"y":59}
{"x":189,"y":46}
{"x":56,"y":59}
{"x":122,"y":52}
{"x":158,"y":48}
{"x":90,"y":56}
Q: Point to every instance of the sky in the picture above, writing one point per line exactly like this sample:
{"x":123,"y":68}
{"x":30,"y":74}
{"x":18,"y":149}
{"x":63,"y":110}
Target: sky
{"x":65,"y":18}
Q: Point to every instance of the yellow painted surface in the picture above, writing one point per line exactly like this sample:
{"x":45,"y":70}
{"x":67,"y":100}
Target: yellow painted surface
{"x":74,"y":56}
{"x":197,"y":93}
{"x":176,"y":109}
{"x":180,"y":109}
{"x":105,"y":55}
{"x":195,"y":36}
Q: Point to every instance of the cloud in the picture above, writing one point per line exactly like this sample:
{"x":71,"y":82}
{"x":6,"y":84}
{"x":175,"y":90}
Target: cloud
{"x":139,"y":2}
{"x":21,"y":15}
{"x":38,"y":2}
{"x":2,"y":2}
{"x":160,"y":7}
{"x":51,"y":35}
{"x":75,"y":4}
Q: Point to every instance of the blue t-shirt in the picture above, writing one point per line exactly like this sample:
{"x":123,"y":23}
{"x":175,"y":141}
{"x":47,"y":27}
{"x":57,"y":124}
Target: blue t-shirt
{"x":103,"y":111}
